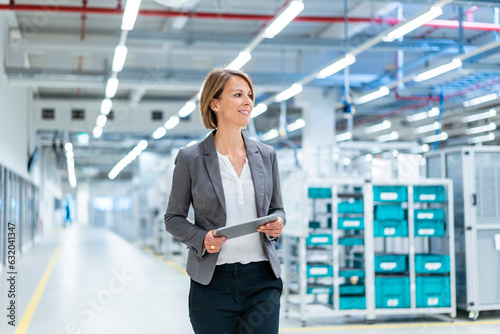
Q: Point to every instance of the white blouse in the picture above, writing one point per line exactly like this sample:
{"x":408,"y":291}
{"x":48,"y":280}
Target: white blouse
{"x":240,"y":206}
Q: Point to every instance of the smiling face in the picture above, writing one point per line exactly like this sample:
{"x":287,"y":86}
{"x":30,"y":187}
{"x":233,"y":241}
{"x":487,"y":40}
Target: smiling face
{"x":234,"y":104}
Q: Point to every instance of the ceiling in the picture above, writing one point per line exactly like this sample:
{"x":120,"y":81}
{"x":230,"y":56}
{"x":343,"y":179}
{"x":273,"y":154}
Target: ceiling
{"x":65,"y":53}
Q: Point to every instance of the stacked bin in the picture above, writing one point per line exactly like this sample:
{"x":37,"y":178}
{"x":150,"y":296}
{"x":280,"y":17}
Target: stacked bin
{"x":351,"y":226}
{"x":392,"y":283}
{"x":432,"y":270}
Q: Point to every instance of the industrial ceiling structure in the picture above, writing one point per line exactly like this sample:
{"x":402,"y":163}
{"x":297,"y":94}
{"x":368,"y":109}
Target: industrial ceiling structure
{"x":64,"y":50}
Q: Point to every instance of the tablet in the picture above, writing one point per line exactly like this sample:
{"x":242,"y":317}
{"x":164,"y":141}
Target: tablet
{"x":244,"y":228}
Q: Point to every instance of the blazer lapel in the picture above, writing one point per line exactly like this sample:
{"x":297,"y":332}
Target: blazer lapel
{"x":213,"y":169}
{"x":257,"y":169}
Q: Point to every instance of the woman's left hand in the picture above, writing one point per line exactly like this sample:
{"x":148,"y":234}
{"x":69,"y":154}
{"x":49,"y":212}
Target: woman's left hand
{"x":272,"y":229}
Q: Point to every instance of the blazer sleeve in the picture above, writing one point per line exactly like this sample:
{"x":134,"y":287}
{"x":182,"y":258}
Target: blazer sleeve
{"x":276,"y":204}
{"x":180,"y":199}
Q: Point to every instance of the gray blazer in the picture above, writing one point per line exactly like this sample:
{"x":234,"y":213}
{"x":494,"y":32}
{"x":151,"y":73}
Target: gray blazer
{"x":197,"y":181}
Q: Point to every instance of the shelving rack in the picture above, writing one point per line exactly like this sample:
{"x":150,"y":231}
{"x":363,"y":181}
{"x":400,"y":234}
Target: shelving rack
{"x":475,"y":172}
{"x":336,"y":218}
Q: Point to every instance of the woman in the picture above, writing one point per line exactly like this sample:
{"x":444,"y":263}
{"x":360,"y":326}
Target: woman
{"x":228,"y":178}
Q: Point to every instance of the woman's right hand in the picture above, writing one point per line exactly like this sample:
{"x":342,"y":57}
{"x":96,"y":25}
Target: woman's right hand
{"x":212,"y":243}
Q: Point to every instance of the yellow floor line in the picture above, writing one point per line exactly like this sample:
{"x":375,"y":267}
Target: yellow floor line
{"x":170,"y":263}
{"x":386,"y":326}
{"x":30,"y":310}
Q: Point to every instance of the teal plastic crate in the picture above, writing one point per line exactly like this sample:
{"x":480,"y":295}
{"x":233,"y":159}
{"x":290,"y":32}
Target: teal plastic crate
{"x":319,"y":240}
{"x":391,"y":263}
{"x":351,"y":241}
{"x":432,"y":264}
{"x":351,"y":223}
{"x":429,"y":228}
{"x":389,"y":212}
{"x":319,"y":192}
{"x":352,"y":302}
{"x":317,"y":290}
{"x":429,"y":214}
{"x":348,"y":273}
{"x":433,"y":291}
{"x":390,"y":228}
{"x":319,"y":270}
{"x":350,"y":207}
{"x":390,"y":193}
{"x":351,"y":290}
{"x":428,"y":194}
{"x":392,"y":292}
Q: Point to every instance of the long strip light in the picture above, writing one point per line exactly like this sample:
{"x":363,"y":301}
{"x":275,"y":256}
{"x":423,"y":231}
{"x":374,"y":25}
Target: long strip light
{"x":381,"y":92}
{"x":480,"y":100}
{"x":378,"y":127}
{"x":187,"y":109}
{"x":289,"y":92}
{"x":343,"y":136}
{"x":481,"y":139}
{"x":111,"y":88}
{"x":427,"y":128}
{"x":159,"y":133}
{"x":339,"y":65}
{"x":454,"y":64}
{"x":106,"y":106}
{"x":394,"y":135}
{"x":483,"y":128}
{"x":119,"y":58}
{"x":130,"y":14}
{"x":477,"y":117}
{"x":423,"y":115}
{"x":271,"y":134}
{"x":413,"y":24}
{"x":434,"y":138}
{"x":283,"y":19}
{"x":97,"y":132}
{"x":258,"y":109}
{"x":298,"y":124}
{"x":240,"y":61}
{"x":70,"y":161}
{"x":131,"y":156}
{"x":101,"y":121}
{"x":171,"y":123}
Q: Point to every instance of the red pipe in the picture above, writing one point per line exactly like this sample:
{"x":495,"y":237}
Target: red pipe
{"x":84,"y":19}
{"x":316,"y":19}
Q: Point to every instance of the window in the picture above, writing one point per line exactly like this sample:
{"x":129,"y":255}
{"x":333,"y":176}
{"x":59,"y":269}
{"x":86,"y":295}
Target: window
{"x":48,"y":113}
{"x":157,"y":115}
{"x":77,"y":114}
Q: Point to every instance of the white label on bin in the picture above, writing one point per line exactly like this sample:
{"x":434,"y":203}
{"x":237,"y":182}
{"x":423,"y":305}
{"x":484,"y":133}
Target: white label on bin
{"x":320,"y":240}
{"x":497,"y":242}
{"x":388,"y":196}
{"x":425,"y":215}
{"x":351,"y":223}
{"x":426,"y":231}
{"x":320,"y":290}
{"x":389,"y":231}
{"x":433,"y":301}
{"x":388,"y":265}
{"x":392,"y":302}
{"x":427,"y":197}
{"x":433,"y":266}
{"x":318,"y":271}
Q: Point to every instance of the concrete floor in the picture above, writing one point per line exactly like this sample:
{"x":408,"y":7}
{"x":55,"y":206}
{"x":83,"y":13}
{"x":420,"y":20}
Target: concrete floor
{"x":89,"y":280}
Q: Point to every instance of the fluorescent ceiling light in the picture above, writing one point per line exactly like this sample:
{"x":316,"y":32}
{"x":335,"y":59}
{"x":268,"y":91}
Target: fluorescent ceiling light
{"x":119,"y":58}
{"x":480,"y":100}
{"x":68,"y":147}
{"x":343,"y":136}
{"x":423,"y":115}
{"x":171,"y":123}
{"x":349,"y":59}
{"x":97,"y":132}
{"x":455,"y":63}
{"x":130,"y":14}
{"x":131,"y":156}
{"x":283,"y":19}
{"x":483,"y":128}
{"x":434,"y":138}
{"x":426,"y":128}
{"x":394,"y":135}
{"x":106,"y":106}
{"x":289,"y":92}
{"x":259,"y":109}
{"x":240,"y":61}
{"x":378,"y":127}
{"x":383,"y":91}
{"x":101,"y":121}
{"x":298,"y":124}
{"x":111,"y":88}
{"x":413,"y":24}
{"x":160,"y":132}
{"x":192,"y":142}
{"x":269,"y":135}
{"x":480,"y":139}
{"x":187,"y":109}
{"x":477,"y":117}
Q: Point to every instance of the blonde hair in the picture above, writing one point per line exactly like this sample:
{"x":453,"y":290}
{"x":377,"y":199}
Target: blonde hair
{"x":213,"y":88}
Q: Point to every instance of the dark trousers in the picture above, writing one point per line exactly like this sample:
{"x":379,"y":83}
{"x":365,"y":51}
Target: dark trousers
{"x":240,"y":299}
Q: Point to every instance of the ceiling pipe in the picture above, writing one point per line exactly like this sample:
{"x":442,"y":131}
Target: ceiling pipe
{"x":84,"y":19}
{"x":247,"y":17}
